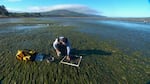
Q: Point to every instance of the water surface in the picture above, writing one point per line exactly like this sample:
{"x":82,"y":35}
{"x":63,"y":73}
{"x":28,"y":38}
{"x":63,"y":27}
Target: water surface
{"x":129,"y":36}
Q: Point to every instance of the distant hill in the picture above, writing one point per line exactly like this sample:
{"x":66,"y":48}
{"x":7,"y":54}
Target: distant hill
{"x":66,"y":13}
{"x":54,"y":13}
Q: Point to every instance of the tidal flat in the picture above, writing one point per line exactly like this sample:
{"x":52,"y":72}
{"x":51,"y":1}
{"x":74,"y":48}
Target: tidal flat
{"x":103,"y":62}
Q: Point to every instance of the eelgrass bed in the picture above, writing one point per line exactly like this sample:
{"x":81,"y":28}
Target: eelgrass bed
{"x":102,"y":63}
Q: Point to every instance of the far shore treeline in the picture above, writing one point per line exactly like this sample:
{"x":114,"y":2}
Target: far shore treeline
{"x":5,"y":13}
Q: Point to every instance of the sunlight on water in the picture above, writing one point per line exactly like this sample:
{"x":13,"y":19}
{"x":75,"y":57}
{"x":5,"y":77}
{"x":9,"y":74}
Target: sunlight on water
{"x":28,"y":27}
{"x":129,"y":25}
{"x":10,"y":20}
{"x":20,"y":27}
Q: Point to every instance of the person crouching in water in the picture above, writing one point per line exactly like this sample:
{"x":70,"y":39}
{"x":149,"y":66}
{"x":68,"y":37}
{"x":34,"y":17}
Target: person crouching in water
{"x":62,"y":47}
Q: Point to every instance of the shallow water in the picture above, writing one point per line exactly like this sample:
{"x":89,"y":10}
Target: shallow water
{"x":129,"y":25}
{"x":27,"y":27}
{"x":9,"y":20}
{"x":130,"y":36}
{"x":21,"y":27}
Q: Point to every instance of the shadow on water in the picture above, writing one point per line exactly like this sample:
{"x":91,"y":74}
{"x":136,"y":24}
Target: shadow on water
{"x":90,"y":52}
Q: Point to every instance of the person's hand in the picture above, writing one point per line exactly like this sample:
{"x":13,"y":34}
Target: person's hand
{"x":68,"y":58}
{"x":58,"y":52}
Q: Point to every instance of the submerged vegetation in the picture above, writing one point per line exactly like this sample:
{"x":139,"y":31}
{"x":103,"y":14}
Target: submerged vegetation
{"x":102,"y":63}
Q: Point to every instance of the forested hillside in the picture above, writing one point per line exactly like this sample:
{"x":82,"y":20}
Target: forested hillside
{"x":3,"y":11}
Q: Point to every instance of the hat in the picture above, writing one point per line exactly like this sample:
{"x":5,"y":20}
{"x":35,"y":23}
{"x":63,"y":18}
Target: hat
{"x":63,"y":39}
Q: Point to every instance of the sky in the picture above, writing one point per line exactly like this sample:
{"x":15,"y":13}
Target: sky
{"x":110,"y":8}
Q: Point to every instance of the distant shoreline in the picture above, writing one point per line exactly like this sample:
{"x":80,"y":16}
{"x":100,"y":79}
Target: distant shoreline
{"x":144,"y":19}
